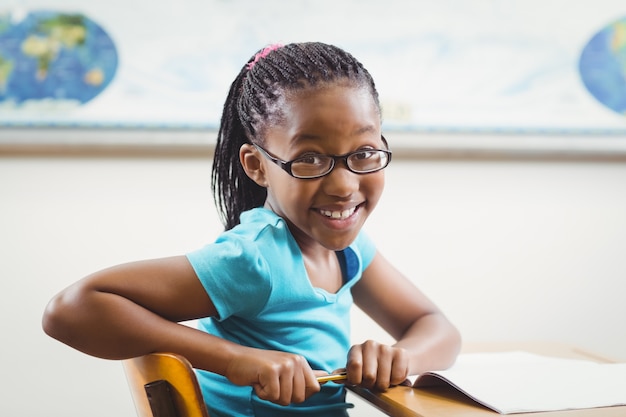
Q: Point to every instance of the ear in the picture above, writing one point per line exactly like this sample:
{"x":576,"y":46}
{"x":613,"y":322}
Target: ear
{"x":251,"y":162}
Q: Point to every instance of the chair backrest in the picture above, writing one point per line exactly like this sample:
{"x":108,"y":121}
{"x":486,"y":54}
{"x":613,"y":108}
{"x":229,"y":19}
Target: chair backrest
{"x":177,"y":371}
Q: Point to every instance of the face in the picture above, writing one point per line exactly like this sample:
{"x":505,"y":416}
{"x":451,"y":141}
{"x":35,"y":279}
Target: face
{"x":326,"y":212}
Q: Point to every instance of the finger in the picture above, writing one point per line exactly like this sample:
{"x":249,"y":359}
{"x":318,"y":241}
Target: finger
{"x":406,"y":383}
{"x":267,"y":391}
{"x":298,"y":388}
{"x":371,"y":352}
{"x":382,"y":357}
{"x":269,"y":386}
{"x":400,"y":367}
{"x":287,"y":380}
{"x":385,"y":364}
{"x":284,"y":392}
{"x":312,"y":386}
{"x":354,"y":365}
{"x":307,"y":383}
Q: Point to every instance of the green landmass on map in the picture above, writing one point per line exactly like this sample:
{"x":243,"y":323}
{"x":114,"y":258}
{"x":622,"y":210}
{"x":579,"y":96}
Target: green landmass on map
{"x":6,"y":67}
{"x":618,"y":43}
{"x":52,"y":34}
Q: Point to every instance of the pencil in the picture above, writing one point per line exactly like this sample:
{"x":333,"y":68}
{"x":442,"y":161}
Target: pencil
{"x":332,"y":377}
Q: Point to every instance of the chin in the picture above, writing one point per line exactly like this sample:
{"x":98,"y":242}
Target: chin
{"x":339,"y":243}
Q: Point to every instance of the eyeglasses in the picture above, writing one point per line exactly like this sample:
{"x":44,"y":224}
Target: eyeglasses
{"x":363,"y":161}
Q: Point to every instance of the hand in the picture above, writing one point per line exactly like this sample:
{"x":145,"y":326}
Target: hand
{"x":279,"y":377}
{"x":377,"y":366}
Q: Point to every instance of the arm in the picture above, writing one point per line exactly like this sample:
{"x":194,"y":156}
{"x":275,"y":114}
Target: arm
{"x":133,"y":309}
{"x":426,"y":340}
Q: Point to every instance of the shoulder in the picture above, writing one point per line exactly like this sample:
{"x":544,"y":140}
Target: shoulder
{"x":259,"y":234}
{"x":364,"y":246}
{"x":238,"y":264}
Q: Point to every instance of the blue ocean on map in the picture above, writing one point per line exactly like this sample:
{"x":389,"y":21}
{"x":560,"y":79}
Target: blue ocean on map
{"x":54,"y":56}
{"x":603,"y":66}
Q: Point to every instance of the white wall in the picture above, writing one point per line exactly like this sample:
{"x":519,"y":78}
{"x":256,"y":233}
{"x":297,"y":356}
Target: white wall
{"x":510,"y":250}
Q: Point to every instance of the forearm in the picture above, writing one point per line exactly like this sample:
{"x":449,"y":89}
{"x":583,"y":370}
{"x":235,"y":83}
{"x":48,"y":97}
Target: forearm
{"x":432,"y":342}
{"x":109,"y":326}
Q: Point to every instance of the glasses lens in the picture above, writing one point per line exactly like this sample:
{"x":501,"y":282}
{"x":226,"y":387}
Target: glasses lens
{"x":368,"y":160}
{"x":311,"y":166}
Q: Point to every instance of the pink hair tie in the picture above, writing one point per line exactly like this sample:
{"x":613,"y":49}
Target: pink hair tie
{"x":263,"y":54}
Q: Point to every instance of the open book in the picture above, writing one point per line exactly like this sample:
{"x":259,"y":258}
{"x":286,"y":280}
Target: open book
{"x":522,"y":382}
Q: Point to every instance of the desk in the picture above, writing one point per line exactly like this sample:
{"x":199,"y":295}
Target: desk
{"x":408,"y":402}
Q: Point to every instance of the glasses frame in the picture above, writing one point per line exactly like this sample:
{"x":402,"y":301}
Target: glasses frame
{"x":286,"y":165}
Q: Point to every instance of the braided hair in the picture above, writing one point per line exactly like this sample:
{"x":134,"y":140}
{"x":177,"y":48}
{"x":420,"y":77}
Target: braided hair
{"x":254,"y":102}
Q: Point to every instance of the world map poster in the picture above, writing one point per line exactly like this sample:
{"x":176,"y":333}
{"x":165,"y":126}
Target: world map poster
{"x":455,"y":65}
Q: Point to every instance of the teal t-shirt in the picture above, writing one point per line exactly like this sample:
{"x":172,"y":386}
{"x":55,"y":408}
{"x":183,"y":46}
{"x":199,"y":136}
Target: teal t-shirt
{"x":255,"y":276}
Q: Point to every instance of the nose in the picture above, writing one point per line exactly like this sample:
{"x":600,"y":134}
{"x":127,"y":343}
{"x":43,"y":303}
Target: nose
{"x":341,"y":182}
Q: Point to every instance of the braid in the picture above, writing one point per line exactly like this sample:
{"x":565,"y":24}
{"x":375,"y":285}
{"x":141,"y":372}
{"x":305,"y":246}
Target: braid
{"x":254,"y":102}
{"x":233,"y":190}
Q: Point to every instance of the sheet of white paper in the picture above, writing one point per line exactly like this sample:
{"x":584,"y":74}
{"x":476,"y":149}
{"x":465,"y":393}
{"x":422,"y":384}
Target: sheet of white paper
{"x":518,"y":382}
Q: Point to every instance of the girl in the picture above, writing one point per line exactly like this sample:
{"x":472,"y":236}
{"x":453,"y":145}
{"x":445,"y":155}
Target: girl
{"x":298,"y":168}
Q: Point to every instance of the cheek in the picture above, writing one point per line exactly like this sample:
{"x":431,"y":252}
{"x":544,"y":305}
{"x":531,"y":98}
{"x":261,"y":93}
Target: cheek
{"x":377,"y":180}
{"x":374,"y":186}
{"x":293,"y":191}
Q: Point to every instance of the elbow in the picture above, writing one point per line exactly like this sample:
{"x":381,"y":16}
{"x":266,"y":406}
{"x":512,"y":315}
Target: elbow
{"x":52,"y":321}
{"x":455,"y":342}
{"x":449,"y":343}
{"x":451,"y":346}
{"x":59,"y":317}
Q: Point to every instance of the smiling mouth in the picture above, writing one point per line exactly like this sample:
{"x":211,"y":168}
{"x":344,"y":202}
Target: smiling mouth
{"x":338,"y":215}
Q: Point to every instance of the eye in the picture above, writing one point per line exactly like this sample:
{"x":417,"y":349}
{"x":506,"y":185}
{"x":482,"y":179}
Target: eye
{"x":365,"y":154}
{"x":312,"y":159}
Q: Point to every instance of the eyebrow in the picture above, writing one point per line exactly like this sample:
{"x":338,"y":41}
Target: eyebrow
{"x":306,"y":137}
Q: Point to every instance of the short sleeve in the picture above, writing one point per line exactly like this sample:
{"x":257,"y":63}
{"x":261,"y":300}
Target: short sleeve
{"x":366,"y":248}
{"x":234,"y":275}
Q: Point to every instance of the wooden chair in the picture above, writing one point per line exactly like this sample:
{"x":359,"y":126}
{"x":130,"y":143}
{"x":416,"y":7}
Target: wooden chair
{"x":164,"y":385}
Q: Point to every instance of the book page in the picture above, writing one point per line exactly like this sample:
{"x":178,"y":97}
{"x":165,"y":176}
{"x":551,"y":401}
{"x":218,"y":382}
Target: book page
{"x":519,"y":382}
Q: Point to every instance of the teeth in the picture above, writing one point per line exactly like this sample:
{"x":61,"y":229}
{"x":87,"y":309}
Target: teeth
{"x":340,"y":215}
